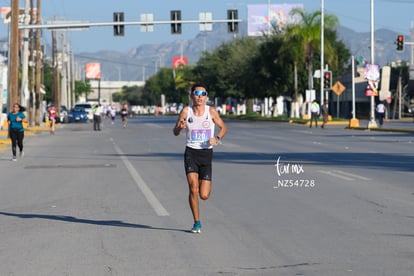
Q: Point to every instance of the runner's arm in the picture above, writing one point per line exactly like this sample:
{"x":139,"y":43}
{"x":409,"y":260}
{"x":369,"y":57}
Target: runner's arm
{"x":181,"y":121}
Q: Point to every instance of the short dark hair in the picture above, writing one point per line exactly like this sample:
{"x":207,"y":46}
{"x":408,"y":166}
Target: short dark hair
{"x":197,"y":85}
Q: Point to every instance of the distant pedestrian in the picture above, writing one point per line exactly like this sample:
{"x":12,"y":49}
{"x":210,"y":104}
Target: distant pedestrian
{"x":97,"y":113}
{"x":112,"y":110}
{"x":124,"y":114}
{"x":15,"y":119}
{"x":314,"y":108}
{"x":381,"y":113}
{"x":325,"y":112}
{"x":52,"y":112}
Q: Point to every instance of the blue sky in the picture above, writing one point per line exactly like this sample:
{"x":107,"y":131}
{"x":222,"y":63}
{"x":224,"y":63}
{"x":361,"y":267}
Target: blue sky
{"x":395,"y":15}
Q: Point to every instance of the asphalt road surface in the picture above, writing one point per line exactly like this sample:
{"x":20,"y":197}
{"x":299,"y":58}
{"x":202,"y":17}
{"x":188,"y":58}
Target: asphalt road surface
{"x":286,"y":200}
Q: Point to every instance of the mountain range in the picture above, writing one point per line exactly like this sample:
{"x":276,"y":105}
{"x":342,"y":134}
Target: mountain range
{"x":139,"y":63}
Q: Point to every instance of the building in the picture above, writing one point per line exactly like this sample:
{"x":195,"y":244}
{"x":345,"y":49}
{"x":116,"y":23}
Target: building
{"x":102,"y":90}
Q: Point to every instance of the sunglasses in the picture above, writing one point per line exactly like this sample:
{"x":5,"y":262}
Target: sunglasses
{"x":200,"y":93}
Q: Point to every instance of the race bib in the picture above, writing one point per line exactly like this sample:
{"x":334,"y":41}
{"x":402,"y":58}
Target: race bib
{"x":200,"y":135}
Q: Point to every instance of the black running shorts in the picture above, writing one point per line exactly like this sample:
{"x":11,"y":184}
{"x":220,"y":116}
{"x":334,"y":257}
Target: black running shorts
{"x":198,"y":161}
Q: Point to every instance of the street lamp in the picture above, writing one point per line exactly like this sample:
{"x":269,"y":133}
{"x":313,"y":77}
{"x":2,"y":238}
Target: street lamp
{"x":372,"y":123}
{"x":322,"y":47}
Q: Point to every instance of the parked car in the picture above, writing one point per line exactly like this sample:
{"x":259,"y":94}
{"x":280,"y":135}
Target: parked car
{"x":77,"y":115}
{"x":86,"y":107}
{"x":63,"y":118}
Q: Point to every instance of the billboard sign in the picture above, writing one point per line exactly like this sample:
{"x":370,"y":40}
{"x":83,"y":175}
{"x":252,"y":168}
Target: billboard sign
{"x":6,"y":15}
{"x":93,"y":71}
{"x":260,"y":17}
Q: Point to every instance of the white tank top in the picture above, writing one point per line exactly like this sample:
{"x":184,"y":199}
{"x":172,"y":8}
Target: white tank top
{"x":199,"y":129}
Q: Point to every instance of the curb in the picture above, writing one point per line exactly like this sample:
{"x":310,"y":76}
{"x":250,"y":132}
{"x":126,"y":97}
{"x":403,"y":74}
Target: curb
{"x":382,"y":129}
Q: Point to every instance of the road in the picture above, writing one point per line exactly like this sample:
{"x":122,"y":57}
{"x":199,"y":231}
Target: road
{"x":286,"y":200}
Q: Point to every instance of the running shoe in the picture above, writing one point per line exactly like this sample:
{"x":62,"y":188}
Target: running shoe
{"x":21,"y":153}
{"x":14,"y":158}
{"x":196,"y":227}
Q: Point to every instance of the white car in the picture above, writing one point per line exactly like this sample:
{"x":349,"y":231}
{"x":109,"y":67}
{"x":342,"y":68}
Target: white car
{"x":88,"y":108}
{"x":63,"y":118}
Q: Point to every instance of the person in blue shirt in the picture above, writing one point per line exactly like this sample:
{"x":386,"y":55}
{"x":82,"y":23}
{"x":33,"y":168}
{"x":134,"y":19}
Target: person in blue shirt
{"x":16,"y":118}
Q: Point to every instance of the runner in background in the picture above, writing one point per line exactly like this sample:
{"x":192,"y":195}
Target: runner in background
{"x":112,"y":110}
{"x":124,"y":114}
{"x":15,"y":119}
{"x":52,"y":118}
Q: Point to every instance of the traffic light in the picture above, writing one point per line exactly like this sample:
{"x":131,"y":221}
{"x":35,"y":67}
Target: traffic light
{"x":327,"y":80}
{"x":400,"y":42}
{"x":175,"y":27}
{"x":232,"y":25}
{"x":118,"y":29}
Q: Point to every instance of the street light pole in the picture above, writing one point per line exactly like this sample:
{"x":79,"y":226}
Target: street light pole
{"x":322,"y":48}
{"x":372,"y":123}
{"x":268,"y":17}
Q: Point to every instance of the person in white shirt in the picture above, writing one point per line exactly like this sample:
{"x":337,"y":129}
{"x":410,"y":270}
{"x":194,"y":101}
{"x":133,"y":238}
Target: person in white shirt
{"x":199,"y":120}
{"x":112,"y":111}
{"x":315,"y":109}
{"x":381,"y":113}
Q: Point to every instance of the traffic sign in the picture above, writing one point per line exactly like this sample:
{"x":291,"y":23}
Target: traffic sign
{"x":338,"y":88}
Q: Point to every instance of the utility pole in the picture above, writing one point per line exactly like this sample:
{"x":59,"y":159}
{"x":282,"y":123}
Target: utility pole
{"x":32,"y":72}
{"x":64,"y":82}
{"x":14,"y":54}
{"x":38,"y":98}
{"x":69,"y":76}
{"x":72,"y":79}
{"x":56,"y":74}
{"x":25,"y":55}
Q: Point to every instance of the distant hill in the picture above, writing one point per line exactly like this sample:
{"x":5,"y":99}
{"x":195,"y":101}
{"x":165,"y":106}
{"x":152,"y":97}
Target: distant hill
{"x":141,"y":62}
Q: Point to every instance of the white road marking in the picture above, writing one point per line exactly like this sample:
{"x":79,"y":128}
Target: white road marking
{"x":336,"y":175}
{"x":345,"y":175}
{"x":149,"y":195}
{"x":353,"y":175}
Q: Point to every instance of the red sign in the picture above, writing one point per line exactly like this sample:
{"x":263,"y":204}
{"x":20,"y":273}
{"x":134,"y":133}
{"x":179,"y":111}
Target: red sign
{"x":179,"y":61}
{"x":370,"y":91}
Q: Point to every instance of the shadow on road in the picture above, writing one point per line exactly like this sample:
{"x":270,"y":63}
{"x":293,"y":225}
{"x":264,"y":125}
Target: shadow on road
{"x":386,"y":161}
{"x":114,"y":223}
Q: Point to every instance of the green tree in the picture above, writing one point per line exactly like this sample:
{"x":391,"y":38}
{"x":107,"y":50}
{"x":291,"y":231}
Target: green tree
{"x":47,"y":81}
{"x":307,"y":35}
{"x":225,"y":70}
{"x":155,"y":86}
{"x":82,"y":88}
{"x":270,"y":72}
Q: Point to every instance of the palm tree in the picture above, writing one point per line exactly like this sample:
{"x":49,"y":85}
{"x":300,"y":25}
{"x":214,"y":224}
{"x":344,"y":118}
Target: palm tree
{"x":303,"y":39}
{"x":292,"y":49}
